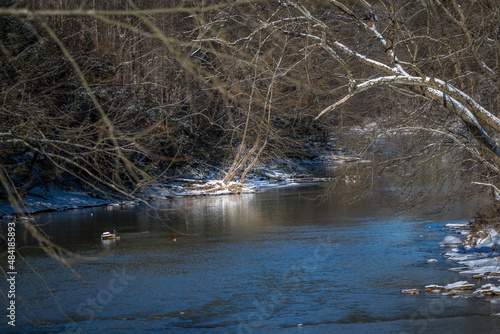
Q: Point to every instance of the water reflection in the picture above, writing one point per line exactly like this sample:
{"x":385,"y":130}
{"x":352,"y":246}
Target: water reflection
{"x":108,"y":243}
{"x":215,"y":214}
{"x":255,"y":263}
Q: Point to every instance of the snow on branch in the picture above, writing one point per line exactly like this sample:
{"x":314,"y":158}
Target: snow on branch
{"x":496,"y":191}
{"x":370,"y":26}
{"x":440,"y":89}
{"x":450,"y":97}
{"x":363,"y":59}
{"x":333,"y":106}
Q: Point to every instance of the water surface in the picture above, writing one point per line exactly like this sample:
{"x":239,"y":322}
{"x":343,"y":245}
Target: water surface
{"x":280,"y":261}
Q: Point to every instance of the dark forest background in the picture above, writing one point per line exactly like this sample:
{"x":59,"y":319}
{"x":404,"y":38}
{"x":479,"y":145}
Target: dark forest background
{"x":143,"y":92}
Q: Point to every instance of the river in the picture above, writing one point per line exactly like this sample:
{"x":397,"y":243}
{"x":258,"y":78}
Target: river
{"x":278,"y":261}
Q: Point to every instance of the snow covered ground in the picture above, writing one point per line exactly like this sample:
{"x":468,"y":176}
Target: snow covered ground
{"x":54,"y":199}
{"x":57,"y":199}
{"x":478,"y":254}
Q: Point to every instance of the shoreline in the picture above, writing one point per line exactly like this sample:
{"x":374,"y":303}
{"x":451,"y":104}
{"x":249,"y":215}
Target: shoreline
{"x":39,"y":201}
{"x":53,"y":198}
{"x":477,"y":252}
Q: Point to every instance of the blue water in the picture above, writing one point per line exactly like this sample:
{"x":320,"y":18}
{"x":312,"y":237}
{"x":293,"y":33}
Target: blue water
{"x":280,"y":261}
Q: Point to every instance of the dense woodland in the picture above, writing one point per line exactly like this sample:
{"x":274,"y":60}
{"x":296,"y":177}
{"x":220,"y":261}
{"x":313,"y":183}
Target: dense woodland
{"x":117,"y":94}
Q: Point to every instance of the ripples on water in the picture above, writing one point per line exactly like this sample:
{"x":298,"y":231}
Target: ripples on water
{"x":280,"y":261}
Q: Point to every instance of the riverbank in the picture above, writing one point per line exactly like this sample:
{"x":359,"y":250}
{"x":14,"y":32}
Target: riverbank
{"x":53,"y":198}
{"x":478,"y":253}
{"x":475,"y":247}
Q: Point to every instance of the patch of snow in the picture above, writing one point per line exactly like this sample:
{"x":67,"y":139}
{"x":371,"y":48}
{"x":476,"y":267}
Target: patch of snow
{"x":488,"y":290}
{"x":458,"y":226}
{"x":410,"y":291}
{"x":451,"y":241}
{"x":480,"y":255}
{"x":339,"y":158}
{"x":484,"y":241}
{"x":480,"y":258}
{"x":53,"y":199}
{"x":57,"y":199}
{"x":433,"y":288}
{"x":461,"y":285}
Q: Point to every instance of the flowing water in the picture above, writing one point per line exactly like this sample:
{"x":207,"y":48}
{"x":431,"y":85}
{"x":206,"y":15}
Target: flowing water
{"x":279,"y":261}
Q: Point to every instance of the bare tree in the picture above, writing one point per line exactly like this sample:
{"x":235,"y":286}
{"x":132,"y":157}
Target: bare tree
{"x":256,"y":63}
{"x":114,"y":93}
{"x":446,"y":53}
